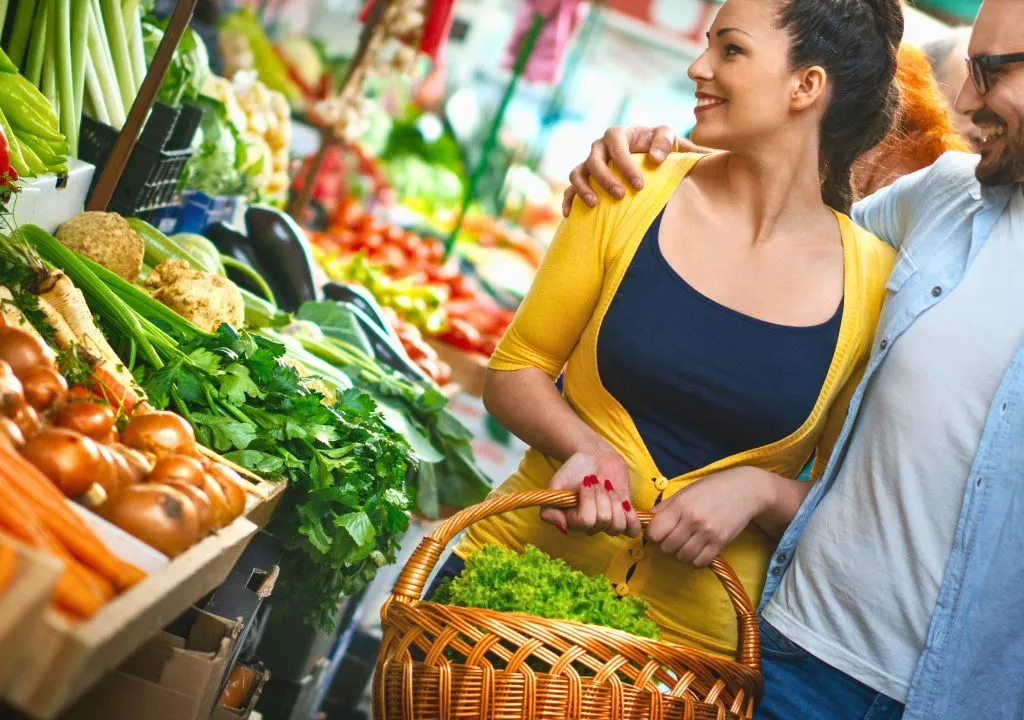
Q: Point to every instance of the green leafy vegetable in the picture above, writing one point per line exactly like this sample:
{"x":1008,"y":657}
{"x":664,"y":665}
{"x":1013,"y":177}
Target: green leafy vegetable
{"x":215,"y":167}
{"x":498,"y":578}
{"x":189,"y":66}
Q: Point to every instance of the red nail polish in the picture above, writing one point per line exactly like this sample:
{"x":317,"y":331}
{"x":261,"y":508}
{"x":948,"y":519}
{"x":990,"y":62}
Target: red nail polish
{"x":562,"y":529}
{"x":608,"y":485}
{"x":626,"y":506}
{"x":589,"y":480}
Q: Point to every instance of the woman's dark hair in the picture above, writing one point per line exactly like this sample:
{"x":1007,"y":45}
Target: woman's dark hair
{"x":856,"y":42}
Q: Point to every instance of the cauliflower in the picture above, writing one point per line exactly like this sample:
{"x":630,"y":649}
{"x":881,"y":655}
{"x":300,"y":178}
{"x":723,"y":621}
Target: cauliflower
{"x":107,"y":239}
{"x":205,"y":299}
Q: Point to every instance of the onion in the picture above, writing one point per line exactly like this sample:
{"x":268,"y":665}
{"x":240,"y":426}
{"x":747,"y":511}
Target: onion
{"x":232,"y":485}
{"x":177,"y":468}
{"x":44,"y":387}
{"x":11,"y":432}
{"x":23,"y":351}
{"x":91,"y":419}
{"x":137,"y":465}
{"x":220,"y":509}
{"x":12,"y":392}
{"x":70,"y":460}
{"x":204,"y":508}
{"x":111,"y":472}
{"x":160,"y":516}
{"x":27,"y":420}
{"x":162,"y":433}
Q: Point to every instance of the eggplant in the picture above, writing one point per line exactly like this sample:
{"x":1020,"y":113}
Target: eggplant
{"x":360,"y":298}
{"x":281,"y":246}
{"x":234,"y":244}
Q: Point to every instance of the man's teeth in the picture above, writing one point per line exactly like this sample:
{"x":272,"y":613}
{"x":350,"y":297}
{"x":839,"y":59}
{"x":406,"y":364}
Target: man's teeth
{"x":991,"y":132}
{"x":704,"y":102}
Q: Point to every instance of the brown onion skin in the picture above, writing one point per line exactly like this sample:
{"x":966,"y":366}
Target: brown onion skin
{"x":12,"y":392}
{"x":67,"y":458}
{"x":204,"y":508}
{"x":161,"y":433}
{"x":137,"y":464}
{"x":27,"y":420}
{"x":11,"y":432}
{"x":22,"y":351}
{"x":159,"y":515}
{"x":91,"y":419}
{"x":44,"y":387}
{"x":109,"y":474}
{"x":177,"y":468}
{"x":232,"y":485}
{"x":219,"y":506}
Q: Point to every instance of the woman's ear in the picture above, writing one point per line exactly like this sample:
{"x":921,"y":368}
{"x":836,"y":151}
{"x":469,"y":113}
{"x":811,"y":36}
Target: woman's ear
{"x":811,"y":84}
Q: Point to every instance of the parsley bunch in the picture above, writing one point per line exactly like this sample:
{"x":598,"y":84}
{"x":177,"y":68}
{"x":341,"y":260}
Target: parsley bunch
{"x":347,"y":506}
{"x":498,"y":578}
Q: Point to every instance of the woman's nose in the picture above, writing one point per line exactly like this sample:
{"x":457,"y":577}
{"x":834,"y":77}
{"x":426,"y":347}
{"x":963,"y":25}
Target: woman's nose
{"x":700,"y":69}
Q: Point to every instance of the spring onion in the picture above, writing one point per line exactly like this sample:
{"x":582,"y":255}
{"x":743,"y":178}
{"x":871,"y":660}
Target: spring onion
{"x":21,"y":31}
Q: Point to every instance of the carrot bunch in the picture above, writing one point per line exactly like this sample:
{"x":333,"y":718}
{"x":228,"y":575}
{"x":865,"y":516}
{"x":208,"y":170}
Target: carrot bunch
{"x":34,"y":512}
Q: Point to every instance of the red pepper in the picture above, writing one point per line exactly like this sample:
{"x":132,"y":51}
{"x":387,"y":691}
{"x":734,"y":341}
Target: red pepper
{"x":5,"y":157}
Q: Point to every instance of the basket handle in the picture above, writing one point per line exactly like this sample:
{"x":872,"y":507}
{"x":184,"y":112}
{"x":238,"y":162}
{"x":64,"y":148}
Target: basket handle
{"x":413,"y":578}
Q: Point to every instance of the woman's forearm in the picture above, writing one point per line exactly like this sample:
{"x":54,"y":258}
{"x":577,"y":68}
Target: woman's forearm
{"x":781,"y":499}
{"x":530,"y":406}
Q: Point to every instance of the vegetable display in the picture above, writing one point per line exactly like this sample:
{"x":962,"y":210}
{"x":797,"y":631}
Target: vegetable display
{"x":534,"y":583}
{"x":31,"y":129}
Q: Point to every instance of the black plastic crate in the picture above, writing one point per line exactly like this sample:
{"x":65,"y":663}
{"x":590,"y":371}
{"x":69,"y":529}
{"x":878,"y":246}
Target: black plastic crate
{"x":151,"y":177}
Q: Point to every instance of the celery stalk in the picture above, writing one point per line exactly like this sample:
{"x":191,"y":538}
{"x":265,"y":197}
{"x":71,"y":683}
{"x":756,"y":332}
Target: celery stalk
{"x":65,"y":75}
{"x":3,"y":15}
{"x":118,"y":39}
{"x":99,"y":52}
{"x":21,"y":31}
{"x":37,"y":49}
{"x":49,"y":87}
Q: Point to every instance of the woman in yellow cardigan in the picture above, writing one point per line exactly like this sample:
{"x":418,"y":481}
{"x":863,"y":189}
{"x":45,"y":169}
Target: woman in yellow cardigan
{"x":712,"y":326}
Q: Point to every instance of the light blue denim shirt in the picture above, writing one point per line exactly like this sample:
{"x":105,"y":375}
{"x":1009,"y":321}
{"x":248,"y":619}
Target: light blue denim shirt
{"x":972,"y":665}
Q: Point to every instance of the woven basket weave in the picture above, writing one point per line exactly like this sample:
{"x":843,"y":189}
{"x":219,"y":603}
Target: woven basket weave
{"x":440,"y":662}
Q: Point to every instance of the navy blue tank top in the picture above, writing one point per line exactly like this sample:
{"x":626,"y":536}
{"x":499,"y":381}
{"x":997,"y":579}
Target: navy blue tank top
{"x":701,"y":381}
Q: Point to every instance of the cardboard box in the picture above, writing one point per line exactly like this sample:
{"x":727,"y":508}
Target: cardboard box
{"x":225,"y":713}
{"x":169,"y":678}
{"x":66,"y":661}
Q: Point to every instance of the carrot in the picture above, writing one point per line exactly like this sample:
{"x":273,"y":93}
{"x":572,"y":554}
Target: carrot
{"x":8,"y":564}
{"x":76,"y":589}
{"x":27,"y":481}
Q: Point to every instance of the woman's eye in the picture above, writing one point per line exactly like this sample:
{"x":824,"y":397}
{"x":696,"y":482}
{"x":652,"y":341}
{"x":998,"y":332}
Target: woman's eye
{"x":731,"y":50}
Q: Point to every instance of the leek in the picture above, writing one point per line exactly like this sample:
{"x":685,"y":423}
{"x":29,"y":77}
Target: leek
{"x":99,"y":53}
{"x":118,"y":39}
{"x":133,"y":23}
{"x":97,"y":105}
{"x":37,"y":49}
{"x":21,"y":31}
{"x":79,"y":36}
{"x":65,"y":75}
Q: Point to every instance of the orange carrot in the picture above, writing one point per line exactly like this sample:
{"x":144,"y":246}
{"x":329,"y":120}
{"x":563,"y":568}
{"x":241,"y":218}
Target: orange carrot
{"x":26,"y":480}
{"x":8,"y":564}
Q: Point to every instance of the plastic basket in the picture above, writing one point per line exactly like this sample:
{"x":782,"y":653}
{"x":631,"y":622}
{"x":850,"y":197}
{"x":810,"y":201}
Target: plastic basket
{"x":151,"y":177}
{"x":196,"y":211}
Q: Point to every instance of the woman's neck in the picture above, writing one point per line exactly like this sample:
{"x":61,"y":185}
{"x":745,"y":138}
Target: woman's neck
{"x":778,"y":187}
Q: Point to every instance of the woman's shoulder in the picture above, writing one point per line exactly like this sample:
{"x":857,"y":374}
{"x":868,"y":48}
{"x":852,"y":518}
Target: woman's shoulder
{"x":873,"y":258}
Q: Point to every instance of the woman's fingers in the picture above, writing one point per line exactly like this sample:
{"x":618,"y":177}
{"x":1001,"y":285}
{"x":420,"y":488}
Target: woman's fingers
{"x":633,"y":527}
{"x":691,"y":549}
{"x":556,"y":517}
{"x":663,"y":141}
{"x":579,"y":180}
{"x":614,"y":148}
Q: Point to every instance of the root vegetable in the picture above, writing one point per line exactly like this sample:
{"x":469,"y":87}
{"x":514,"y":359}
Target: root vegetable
{"x":161,"y":433}
{"x":205,"y":299}
{"x":27,"y":420}
{"x":160,"y":516}
{"x":12,"y":392}
{"x":204,"y":508}
{"x":44,"y":387}
{"x":69,"y":459}
{"x":220,"y":508}
{"x":11,"y":432}
{"x":105,"y":238}
{"x":90,"y":419}
{"x":232,"y":485}
{"x":138,"y":465}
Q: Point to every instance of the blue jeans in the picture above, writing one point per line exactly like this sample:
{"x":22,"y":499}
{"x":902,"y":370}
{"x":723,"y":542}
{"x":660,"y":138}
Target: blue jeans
{"x":799,"y":686}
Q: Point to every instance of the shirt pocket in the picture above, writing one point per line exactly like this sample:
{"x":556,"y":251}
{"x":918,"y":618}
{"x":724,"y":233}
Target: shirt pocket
{"x":904,"y":269}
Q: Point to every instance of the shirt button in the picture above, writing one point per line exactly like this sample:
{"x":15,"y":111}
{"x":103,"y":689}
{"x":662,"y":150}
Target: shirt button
{"x":776,"y":571}
{"x":638,"y":553}
{"x":622,"y":589}
{"x":936,"y":291}
{"x":884,"y":344}
{"x":661,"y":482}
{"x":781,"y":558}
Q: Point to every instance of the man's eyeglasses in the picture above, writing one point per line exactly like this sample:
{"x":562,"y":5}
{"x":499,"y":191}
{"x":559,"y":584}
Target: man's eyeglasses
{"x":980,"y":66}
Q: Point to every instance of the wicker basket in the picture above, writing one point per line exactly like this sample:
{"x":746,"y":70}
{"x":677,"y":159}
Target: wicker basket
{"x":518,"y":667}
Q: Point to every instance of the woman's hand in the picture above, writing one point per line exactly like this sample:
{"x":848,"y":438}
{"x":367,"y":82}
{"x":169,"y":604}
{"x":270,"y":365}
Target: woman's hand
{"x":601,"y":477}
{"x":615,"y":148}
{"x":700,"y":520}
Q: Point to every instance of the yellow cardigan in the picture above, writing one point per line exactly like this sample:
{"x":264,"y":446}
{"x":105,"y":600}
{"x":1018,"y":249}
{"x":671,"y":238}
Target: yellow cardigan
{"x":557,"y":327}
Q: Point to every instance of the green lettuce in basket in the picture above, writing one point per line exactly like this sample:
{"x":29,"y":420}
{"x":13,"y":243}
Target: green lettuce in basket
{"x":498,"y":578}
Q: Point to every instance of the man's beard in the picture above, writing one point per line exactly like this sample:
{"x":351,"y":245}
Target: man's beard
{"x":1008,"y":167}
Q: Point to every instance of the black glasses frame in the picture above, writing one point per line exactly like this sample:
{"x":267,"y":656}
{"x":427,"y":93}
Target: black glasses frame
{"x":979,"y":66}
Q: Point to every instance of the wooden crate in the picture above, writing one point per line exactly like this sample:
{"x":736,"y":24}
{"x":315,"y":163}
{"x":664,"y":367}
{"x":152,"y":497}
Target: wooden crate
{"x":24,"y":604}
{"x":65,"y":661}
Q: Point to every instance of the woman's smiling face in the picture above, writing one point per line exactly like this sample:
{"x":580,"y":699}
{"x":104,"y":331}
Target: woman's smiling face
{"x":745,"y":87}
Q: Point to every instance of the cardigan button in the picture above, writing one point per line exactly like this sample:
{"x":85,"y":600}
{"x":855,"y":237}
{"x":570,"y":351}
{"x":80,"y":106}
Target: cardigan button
{"x":661,"y":482}
{"x":638,"y":553}
{"x":622,"y":589}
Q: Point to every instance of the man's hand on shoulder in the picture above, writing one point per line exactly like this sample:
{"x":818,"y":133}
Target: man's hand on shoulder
{"x":616,"y":148}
